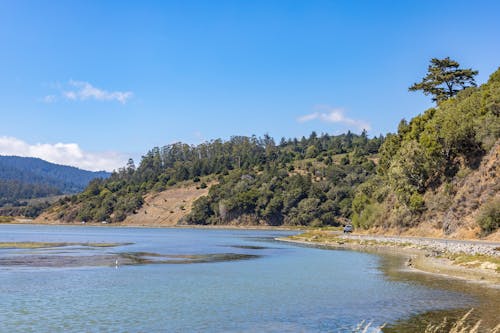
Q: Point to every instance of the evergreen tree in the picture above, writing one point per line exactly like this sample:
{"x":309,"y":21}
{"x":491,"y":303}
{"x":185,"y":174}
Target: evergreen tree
{"x":445,"y":79}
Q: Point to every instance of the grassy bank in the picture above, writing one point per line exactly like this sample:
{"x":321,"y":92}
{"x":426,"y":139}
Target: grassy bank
{"x":6,"y":219}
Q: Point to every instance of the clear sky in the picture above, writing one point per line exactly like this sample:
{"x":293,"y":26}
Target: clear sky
{"x":91,"y":83}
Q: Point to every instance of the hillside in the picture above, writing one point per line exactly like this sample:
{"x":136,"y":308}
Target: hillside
{"x":439,"y":175}
{"x":27,"y":178}
{"x":295,"y":182}
{"x":163,"y":208}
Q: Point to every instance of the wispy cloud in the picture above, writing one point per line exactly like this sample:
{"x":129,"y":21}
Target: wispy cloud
{"x":328,"y":114}
{"x":49,"y":99}
{"x":63,"y":153}
{"x":82,"y":91}
{"x":199,"y":136}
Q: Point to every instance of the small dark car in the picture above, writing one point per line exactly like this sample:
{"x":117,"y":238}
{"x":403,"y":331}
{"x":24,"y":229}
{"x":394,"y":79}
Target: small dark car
{"x":347,"y":229}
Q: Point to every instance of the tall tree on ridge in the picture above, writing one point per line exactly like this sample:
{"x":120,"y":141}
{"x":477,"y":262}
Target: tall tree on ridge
{"x":445,"y":79}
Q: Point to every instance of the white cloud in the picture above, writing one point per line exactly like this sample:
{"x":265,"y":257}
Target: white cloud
{"x":334,"y":115}
{"x":82,"y":91}
{"x":63,"y":153}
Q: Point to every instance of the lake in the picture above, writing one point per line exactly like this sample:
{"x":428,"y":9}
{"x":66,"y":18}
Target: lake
{"x":199,"y":280}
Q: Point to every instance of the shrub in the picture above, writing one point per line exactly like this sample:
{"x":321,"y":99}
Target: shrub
{"x":416,"y":204}
{"x":366,"y":218}
{"x":489,"y":216}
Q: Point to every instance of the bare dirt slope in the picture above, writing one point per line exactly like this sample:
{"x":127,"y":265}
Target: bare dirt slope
{"x":475,"y":190}
{"x":159,"y":209}
{"x":166,"y":208}
{"x":452,"y":209}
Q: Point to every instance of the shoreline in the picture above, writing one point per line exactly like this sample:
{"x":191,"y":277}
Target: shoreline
{"x":160,"y":226}
{"x":416,"y":260}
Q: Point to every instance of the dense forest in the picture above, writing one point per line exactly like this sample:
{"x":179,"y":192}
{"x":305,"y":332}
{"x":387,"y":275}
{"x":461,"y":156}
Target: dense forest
{"x":27,"y":178}
{"x":12,"y":192}
{"x":295,"y":182}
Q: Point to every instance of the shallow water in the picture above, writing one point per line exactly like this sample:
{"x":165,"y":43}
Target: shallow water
{"x":280,"y":287}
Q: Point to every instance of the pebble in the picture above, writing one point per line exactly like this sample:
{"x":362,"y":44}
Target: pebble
{"x":437,"y":246}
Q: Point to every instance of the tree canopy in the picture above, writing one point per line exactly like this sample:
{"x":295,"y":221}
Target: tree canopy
{"x":298,"y":182}
{"x":445,"y":79}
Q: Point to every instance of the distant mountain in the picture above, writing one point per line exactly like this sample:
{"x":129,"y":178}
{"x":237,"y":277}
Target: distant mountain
{"x":28,"y":177}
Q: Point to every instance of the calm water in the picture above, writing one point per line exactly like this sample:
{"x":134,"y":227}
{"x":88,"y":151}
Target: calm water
{"x":287,"y":289}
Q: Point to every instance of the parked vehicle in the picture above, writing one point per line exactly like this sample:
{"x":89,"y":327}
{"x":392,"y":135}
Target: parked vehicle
{"x":347,"y":229}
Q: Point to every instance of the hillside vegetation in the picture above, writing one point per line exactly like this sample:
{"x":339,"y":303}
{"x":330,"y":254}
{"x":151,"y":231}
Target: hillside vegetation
{"x":297,"y":182}
{"x":441,"y":168}
{"x":439,"y":173}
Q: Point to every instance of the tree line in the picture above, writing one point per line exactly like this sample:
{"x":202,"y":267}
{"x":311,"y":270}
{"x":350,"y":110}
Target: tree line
{"x":259,"y":158}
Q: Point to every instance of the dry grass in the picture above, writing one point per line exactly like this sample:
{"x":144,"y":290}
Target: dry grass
{"x":367,"y":327}
{"x":6,"y":219}
{"x":462,"y":325}
{"x":476,"y":261}
{"x":168,"y":207}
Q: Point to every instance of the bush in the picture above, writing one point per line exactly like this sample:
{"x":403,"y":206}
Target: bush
{"x":417,"y":204}
{"x":366,"y":218}
{"x":489,"y":216}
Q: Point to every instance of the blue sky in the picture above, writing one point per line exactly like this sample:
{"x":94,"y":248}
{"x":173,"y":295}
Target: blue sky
{"x":91,"y":83}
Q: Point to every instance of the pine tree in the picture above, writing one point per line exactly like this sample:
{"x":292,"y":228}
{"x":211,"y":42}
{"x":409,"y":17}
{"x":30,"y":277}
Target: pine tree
{"x":445,"y":79}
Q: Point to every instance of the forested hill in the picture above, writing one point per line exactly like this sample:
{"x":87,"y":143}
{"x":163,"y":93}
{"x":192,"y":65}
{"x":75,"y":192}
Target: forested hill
{"x":439,"y":172}
{"x":294,"y":182}
{"x":27,"y":177}
{"x":441,"y":169}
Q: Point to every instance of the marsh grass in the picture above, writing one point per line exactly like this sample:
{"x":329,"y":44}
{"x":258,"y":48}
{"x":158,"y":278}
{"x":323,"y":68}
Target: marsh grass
{"x":42,"y":245}
{"x":477,"y":260}
{"x":364,"y":327}
{"x":461,"y":325}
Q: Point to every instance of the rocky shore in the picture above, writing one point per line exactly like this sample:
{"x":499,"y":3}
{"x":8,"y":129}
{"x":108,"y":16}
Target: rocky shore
{"x":436,"y":245}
